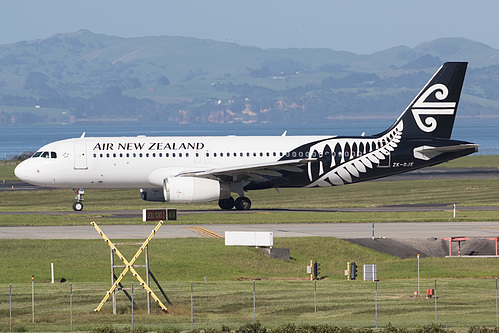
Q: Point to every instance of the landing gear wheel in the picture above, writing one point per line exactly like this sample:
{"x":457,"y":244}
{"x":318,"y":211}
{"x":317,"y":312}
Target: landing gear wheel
{"x":77,"y":206}
{"x":227,"y":203}
{"x":243,"y":203}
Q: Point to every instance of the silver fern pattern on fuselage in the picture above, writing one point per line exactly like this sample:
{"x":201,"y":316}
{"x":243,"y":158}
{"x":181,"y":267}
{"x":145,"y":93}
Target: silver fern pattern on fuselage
{"x":342,"y":159}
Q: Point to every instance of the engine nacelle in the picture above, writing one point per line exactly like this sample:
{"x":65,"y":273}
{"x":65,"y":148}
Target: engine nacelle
{"x":152,"y":194}
{"x":192,"y":189}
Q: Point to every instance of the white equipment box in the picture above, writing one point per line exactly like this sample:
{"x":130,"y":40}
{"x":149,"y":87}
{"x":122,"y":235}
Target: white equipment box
{"x":249,"y":238}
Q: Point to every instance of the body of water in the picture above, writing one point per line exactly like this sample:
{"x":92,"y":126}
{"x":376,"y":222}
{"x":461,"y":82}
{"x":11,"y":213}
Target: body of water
{"x":18,"y":139}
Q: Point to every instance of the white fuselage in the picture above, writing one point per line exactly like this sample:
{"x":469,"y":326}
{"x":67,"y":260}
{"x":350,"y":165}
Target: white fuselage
{"x":143,"y":162}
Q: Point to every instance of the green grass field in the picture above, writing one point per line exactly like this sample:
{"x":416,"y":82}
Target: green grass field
{"x":339,"y":303}
{"x":465,"y":287}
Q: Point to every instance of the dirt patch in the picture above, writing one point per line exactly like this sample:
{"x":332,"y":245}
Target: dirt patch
{"x":426,"y":247}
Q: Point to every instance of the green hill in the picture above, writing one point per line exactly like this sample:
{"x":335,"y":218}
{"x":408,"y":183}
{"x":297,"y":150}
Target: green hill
{"x":88,"y":76}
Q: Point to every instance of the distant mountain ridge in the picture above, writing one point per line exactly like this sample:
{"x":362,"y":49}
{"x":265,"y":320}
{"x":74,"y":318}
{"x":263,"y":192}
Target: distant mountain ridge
{"x":88,"y":76}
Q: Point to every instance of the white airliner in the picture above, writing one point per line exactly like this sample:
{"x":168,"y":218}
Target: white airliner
{"x":201,"y":169}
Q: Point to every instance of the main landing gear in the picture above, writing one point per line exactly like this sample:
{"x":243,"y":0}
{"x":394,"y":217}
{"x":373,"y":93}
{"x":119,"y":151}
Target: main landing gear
{"x":241,"y":203}
{"x":78,"y":205}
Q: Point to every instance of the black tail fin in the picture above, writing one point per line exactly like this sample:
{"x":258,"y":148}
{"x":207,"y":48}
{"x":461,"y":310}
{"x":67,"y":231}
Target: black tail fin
{"x":431,"y":114}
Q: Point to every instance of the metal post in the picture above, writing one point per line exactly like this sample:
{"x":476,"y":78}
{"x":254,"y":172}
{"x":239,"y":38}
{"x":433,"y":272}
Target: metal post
{"x":112,"y":281}
{"x":419,"y":292}
{"x":376,"y":301}
{"x":497,"y":312}
{"x":10,"y":307}
{"x":315,"y":300}
{"x":373,"y":231}
{"x":52,"y":271}
{"x":254,"y":303}
{"x":132,"y":306}
{"x":147,"y":281}
{"x":435,"y":301}
{"x":454,"y":210}
{"x":192,"y":311}
{"x":71,"y":304}
{"x":33,"y":296}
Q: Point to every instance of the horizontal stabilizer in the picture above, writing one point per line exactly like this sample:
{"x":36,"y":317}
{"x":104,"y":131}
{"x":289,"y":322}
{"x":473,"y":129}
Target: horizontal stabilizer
{"x":428,"y":152}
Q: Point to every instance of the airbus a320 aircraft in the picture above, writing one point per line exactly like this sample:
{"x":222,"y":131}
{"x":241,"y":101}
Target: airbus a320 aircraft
{"x":201,"y":169}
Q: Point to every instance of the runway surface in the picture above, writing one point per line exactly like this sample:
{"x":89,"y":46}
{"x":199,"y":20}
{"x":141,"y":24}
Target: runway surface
{"x":407,"y":230}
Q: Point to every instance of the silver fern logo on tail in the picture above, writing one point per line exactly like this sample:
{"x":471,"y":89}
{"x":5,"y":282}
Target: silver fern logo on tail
{"x":422,"y":107}
{"x":350,"y":157}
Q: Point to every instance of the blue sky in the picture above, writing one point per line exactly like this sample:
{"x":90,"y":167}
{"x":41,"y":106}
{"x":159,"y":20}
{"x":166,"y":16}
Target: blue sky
{"x":350,"y":25}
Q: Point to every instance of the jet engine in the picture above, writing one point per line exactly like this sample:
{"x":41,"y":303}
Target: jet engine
{"x":192,"y":189}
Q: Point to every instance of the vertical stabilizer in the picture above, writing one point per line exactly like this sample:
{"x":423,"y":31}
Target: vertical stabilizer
{"x":431,"y":114}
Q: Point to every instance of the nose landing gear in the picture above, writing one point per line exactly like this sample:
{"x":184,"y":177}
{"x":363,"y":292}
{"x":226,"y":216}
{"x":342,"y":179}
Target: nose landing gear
{"x":78,"y":205}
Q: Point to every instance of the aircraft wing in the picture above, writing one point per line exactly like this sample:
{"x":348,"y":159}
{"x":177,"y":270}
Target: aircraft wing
{"x":254,"y":172}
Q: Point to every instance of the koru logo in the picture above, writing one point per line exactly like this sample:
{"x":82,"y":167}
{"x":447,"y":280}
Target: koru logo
{"x":423,"y":108}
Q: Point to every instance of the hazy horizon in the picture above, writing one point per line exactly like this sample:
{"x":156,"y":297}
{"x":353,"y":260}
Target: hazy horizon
{"x":357,"y":26}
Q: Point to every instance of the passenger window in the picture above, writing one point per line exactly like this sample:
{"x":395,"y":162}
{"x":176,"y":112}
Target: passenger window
{"x":186,"y":154}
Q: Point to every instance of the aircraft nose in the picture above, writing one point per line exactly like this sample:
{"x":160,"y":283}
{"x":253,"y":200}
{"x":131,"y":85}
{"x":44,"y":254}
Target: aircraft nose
{"x":21,"y":171}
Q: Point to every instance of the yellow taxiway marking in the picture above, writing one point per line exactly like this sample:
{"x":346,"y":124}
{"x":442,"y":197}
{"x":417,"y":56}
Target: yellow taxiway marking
{"x":204,"y":232}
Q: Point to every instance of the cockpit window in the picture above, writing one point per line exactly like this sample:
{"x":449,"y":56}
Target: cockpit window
{"x":45,"y":154}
